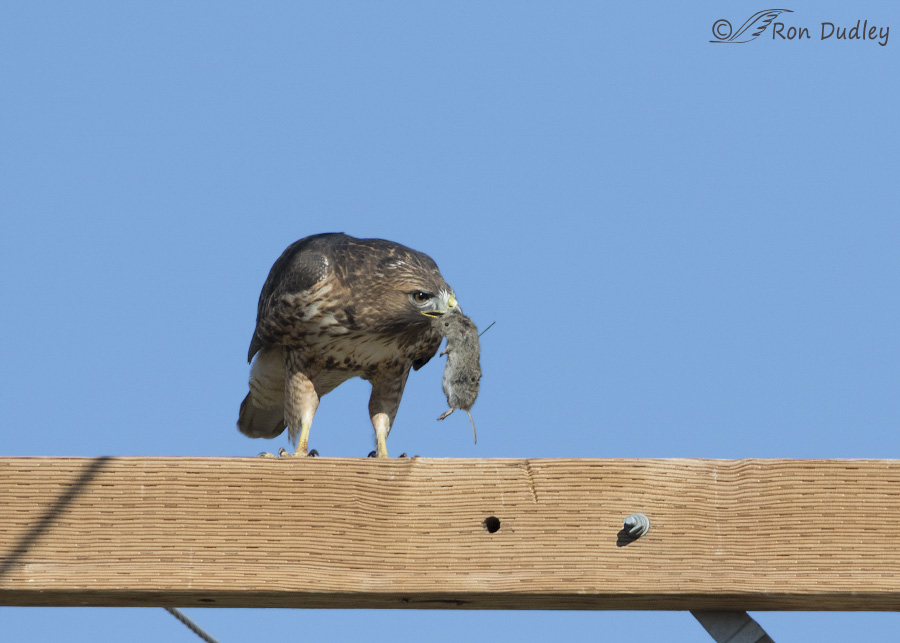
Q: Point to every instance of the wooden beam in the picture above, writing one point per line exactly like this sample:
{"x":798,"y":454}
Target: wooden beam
{"x":325,"y":532}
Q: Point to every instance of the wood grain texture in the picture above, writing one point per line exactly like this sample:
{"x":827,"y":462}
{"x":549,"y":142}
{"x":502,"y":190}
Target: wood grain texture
{"x":326,"y":532}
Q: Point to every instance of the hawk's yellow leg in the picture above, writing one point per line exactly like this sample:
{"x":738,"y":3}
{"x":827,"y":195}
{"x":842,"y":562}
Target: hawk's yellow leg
{"x":382,"y":427}
{"x":302,"y":449}
{"x":300,"y":404}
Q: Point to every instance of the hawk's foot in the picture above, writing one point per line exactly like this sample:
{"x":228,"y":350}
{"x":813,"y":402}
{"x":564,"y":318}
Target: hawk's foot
{"x":299,"y":453}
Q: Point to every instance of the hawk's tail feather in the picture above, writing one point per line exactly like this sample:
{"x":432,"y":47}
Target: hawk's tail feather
{"x":256,"y":422}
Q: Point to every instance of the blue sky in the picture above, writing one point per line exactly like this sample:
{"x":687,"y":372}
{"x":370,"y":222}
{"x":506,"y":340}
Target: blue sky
{"x":689,"y":249}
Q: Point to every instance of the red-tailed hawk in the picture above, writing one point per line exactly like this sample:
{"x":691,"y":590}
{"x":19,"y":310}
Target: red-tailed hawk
{"x":336,"y":307}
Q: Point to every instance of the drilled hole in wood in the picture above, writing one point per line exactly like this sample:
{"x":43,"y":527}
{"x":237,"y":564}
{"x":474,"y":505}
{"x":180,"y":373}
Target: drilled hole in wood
{"x":492,"y":524}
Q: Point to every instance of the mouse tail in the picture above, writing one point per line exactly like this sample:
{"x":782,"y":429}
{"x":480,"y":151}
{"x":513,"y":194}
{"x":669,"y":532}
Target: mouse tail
{"x":474,"y":435}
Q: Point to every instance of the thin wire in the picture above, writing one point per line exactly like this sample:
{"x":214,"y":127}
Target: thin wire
{"x":193,"y":627}
{"x":486,"y":329}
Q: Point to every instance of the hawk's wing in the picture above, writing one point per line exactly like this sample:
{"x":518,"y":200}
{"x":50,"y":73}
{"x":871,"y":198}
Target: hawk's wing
{"x":302,"y":265}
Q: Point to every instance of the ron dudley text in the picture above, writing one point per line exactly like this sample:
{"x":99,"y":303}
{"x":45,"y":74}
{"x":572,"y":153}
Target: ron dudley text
{"x":862,"y":31}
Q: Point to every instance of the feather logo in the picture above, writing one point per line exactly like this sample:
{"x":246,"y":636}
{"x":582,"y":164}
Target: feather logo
{"x":750,"y":30}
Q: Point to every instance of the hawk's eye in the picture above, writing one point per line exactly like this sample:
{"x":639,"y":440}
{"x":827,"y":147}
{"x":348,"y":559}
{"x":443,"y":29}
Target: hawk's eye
{"x":421,"y":296}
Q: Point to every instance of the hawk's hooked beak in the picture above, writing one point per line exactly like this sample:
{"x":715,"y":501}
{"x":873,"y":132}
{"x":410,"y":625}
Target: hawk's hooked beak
{"x":451,"y":305}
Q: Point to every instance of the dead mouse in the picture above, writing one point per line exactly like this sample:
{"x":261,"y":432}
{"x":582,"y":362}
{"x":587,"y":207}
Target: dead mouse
{"x":462,"y":372}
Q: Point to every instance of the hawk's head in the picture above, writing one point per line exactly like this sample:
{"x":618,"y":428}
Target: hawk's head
{"x":420,"y":295}
{"x":398,"y":289}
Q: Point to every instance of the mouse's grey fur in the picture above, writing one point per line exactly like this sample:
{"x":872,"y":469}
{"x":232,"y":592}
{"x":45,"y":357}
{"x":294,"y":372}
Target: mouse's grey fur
{"x":462,"y":372}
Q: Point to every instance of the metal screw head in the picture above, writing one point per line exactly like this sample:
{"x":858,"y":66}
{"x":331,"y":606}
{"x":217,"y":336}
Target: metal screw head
{"x":636,"y":525}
